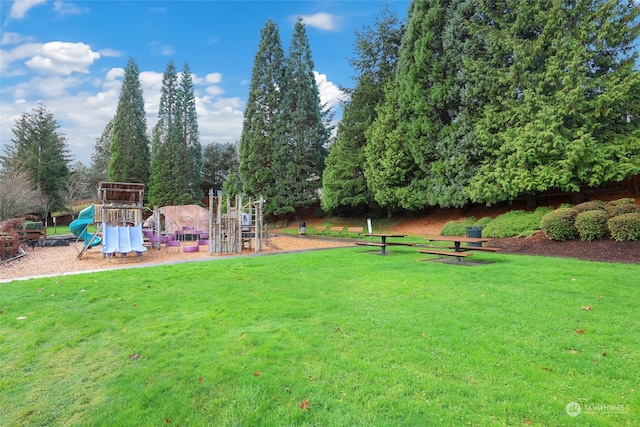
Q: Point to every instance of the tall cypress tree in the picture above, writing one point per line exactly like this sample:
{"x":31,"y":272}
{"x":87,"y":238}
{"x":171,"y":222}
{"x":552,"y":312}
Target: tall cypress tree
{"x":301,"y":136}
{"x":130,"y":154}
{"x":191,"y":151}
{"x":166,"y":185}
{"x":263,"y":106}
{"x":344,"y":185}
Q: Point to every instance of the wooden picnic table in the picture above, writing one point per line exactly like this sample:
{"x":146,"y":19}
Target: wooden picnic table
{"x":457,"y":240}
{"x":459,"y":252}
{"x":383,"y":236}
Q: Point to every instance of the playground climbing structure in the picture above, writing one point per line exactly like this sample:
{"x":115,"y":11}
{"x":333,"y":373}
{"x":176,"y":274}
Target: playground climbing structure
{"x":120,"y":218}
{"x":240,"y":226}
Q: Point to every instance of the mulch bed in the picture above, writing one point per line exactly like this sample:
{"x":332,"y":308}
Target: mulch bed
{"x":598,"y":250}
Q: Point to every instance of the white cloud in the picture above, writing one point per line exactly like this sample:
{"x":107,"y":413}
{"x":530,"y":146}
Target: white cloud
{"x":9,"y":38}
{"x":322,"y":21}
{"x":64,"y":8}
{"x":110,"y":53}
{"x":19,"y":8}
{"x":60,"y":58}
{"x":63,"y":58}
{"x":330,"y":94}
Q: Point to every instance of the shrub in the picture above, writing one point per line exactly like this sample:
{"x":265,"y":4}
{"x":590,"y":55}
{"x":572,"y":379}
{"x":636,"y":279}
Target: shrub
{"x":482,"y":222}
{"x":592,"y":224}
{"x":621,"y":207}
{"x":593,"y":205}
{"x":515,"y":223}
{"x":559,"y":224}
{"x":457,"y":228}
{"x":625,"y":227}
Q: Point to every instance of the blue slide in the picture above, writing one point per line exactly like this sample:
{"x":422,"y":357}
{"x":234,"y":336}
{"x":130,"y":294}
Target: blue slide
{"x":123,"y":240}
{"x":79,"y":226}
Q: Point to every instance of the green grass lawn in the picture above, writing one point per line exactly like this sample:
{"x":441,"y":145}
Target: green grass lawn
{"x":339,"y":337}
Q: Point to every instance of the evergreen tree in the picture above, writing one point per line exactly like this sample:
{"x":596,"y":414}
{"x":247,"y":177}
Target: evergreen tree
{"x":220,"y":160}
{"x":301,"y":136}
{"x":191,"y":151}
{"x":257,"y":141}
{"x":438,"y":126}
{"x":166,"y":184}
{"x":343,"y":181}
{"x":130,"y":156}
{"x":560,"y":96}
{"x":389,"y":167}
{"x":41,"y":151}
{"x":101,"y":157}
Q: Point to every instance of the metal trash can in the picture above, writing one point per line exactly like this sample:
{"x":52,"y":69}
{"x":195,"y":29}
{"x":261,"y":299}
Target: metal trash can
{"x":474,"y":232}
{"x":302,"y":228}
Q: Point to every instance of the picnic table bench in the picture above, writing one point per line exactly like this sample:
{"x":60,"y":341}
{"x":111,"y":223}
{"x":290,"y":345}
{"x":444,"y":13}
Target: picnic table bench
{"x":459,"y":251}
{"x":383,"y":243}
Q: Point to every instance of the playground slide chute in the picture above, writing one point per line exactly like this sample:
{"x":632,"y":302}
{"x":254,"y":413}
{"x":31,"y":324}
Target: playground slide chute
{"x":123,"y":240}
{"x":79,"y":226}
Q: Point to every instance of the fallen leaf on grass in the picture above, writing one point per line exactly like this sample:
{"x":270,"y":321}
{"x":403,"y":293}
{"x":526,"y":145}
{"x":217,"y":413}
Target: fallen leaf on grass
{"x":257,"y":373}
{"x":134,"y":356}
{"x":579,"y":331}
{"x":573,"y":351}
{"x":310,"y":378}
{"x":200,"y":379}
{"x":41,"y":290}
{"x":304,"y":405}
{"x":596,"y":361}
{"x":167,"y":421}
{"x":527,"y":422}
{"x":587,"y":307}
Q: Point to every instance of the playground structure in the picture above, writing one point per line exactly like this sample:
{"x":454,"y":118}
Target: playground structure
{"x":79,"y":227}
{"x":119,"y":218}
{"x":225,"y":233}
{"x":239,"y":226}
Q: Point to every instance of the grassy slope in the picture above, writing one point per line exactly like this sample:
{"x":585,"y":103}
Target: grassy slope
{"x":367,"y":340}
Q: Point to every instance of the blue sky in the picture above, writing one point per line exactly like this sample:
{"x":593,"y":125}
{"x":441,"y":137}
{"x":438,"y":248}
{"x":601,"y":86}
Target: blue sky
{"x":70,"y":56}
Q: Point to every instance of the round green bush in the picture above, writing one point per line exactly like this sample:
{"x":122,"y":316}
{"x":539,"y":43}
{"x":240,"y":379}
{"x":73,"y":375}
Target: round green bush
{"x":625,"y":227}
{"x":592,"y":205}
{"x":621,"y":209}
{"x":591,"y":225}
{"x":559,"y":224}
{"x":621,"y":206}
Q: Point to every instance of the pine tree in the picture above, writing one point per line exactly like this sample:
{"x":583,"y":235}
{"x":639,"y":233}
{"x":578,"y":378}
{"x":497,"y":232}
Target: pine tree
{"x":130,"y":155}
{"x":101,"y":157}
{"x":191,"y":151}
{"x":41,"y":151}
{"x":344,"y":184}
{"x":301,"y":136}
{"x":257,"y":141}
{"x":220,"y":160}
{"x":166,"y":184}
